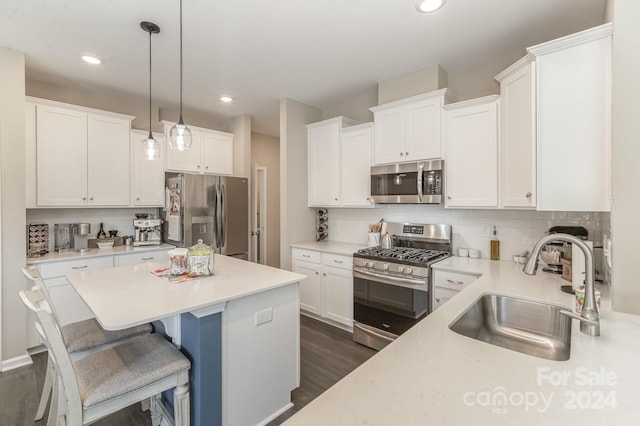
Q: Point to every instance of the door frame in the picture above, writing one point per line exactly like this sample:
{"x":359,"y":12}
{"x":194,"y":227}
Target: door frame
{"x":259,"y":230}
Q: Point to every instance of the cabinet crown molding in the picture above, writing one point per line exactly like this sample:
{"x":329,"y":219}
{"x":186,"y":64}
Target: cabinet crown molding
{"x":571,"y":40}
{"x":471,"y":102}
{"x":515,"y":67}
{"x":341,"y":119}
{"x":447,"y":95}
{"x":79,"y":108}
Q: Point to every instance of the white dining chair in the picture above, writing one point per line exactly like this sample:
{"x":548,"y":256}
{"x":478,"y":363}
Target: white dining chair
{"x":79,"y":337}
{"x":112,"y":378}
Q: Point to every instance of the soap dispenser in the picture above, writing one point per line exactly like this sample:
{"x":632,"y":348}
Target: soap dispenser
{"x":495,"y":246}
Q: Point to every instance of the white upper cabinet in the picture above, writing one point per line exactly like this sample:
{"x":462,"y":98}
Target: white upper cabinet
{"x":517,"y":135}
{"x":410,"y":129}
{"x":573,"y":79}
{"x":82,"y":156}
{"x":30,"y":155}
{"x":147,"y":184}
{"x":472,"y":153}
{"x":210,"y":153}
{"x":355,"y":165}
{"x":339,"y":163}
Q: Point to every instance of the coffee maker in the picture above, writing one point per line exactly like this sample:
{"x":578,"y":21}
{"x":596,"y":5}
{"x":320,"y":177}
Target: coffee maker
{"x":81,"y":233}
{"x":72,"y":236}
{"x":147,"y":231}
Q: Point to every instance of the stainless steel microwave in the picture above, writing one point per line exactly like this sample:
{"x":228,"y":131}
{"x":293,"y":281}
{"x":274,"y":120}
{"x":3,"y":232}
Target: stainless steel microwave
{"x":407,"y":183}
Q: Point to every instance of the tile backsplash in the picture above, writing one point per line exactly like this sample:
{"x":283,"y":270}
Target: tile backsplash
{"x":117,"y":219}
{"x":517,"y":230}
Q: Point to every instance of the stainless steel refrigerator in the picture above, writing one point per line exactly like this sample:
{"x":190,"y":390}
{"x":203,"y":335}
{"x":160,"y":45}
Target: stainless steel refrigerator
{"x":211,"y":208}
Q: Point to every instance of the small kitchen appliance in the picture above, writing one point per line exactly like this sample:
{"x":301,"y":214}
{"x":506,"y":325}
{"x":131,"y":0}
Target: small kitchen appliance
{"x":62,"y":236}
{"x":80,"y":233}
{"x":148,"y":232}
{"x":391,"y":285}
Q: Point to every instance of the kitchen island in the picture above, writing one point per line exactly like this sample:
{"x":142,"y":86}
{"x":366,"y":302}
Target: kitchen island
{"x":239,"y":328}
{"x":433,"y":376}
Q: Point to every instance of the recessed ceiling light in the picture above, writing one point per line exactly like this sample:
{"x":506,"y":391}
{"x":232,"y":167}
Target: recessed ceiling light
{"x":427,"y":6}
{"x":226,"y":98}
{"x":91,"y":59}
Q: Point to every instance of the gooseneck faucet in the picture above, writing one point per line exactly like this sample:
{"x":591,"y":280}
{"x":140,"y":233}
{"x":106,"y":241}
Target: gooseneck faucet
{"x":589,"y":319}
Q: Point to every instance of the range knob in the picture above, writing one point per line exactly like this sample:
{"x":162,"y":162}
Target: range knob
{"x":408,"y":270}
{"x":401,"y":268}
{"x":385,"y":266}
{"x":369,"y":263}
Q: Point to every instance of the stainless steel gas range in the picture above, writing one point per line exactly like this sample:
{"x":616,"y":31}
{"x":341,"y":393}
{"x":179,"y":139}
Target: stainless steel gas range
{"x":391,"y":285}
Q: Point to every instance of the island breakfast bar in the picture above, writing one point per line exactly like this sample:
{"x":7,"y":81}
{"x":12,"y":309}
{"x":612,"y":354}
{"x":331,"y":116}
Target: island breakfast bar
{"x":239,"y":328}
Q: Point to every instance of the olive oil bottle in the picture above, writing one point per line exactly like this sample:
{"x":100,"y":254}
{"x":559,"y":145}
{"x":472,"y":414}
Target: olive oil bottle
{"x":495,"y":246}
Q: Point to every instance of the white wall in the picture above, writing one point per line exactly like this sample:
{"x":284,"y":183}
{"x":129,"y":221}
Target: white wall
{"x":265,"y":151}
{"x":625,"y":155}
{"x":12,"y":204}
{"x":296,"y":219}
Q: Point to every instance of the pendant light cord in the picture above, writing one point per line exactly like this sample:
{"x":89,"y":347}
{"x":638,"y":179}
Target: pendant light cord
{"x":150,"y":134}
{"x":181,"y":61}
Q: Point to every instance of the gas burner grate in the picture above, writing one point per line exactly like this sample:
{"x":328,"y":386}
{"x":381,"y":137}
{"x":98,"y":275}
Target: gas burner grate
{"x":404,"y":254}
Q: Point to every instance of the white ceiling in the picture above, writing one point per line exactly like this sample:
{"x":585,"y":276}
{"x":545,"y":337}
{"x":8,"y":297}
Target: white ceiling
{"x":317,"y":52}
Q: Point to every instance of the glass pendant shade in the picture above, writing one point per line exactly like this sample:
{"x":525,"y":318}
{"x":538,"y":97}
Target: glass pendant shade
{"x":151,"y":148}
{"x":180,"y":136}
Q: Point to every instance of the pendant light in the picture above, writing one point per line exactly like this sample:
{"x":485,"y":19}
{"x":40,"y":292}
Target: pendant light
{"x":180,"y":135}
{"x":150,"y":146}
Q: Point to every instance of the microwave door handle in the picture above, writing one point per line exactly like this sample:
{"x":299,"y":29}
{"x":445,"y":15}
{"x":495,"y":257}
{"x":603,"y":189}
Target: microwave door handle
{"x":419,"y":180}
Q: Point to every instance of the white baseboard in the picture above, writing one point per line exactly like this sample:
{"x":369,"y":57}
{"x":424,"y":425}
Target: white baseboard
{"x":276,"y":414}
{"x":20,"y":361}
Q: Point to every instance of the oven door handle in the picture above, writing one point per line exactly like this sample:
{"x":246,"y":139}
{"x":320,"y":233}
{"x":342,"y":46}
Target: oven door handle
{"x":359,"y":273}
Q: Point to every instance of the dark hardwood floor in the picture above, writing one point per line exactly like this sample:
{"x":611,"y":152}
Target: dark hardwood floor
{"x":327,"y":354}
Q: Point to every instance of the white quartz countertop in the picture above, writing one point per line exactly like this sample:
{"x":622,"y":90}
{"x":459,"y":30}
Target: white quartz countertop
{"x":131,"y":295}
{"x":97,"y":252}
{"x":434,"y":376}
{"x":335,"y":247}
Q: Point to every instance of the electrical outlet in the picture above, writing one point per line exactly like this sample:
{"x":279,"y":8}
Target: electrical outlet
{"x":264,"y":316}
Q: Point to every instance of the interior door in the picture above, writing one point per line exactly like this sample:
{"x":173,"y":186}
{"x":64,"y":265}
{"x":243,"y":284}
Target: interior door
{"x":259,"y":215}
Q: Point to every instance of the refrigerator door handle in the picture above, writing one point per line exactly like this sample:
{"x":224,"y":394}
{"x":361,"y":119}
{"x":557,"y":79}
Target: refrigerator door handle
{"x":223,"y":210}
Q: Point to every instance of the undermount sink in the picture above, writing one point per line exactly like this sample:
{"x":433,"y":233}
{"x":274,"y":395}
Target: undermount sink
{"x":530,"y":327}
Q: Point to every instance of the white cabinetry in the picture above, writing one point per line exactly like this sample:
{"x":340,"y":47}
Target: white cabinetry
{"x":327,"y":293}
{"x":30,"y":155}
{"x":573,"y":78}
{"x":339,"y":163}
{"x":147,"y":185}
{"x":448,"y":284}
{"x":82,"y":156}
{"x":210,"y":153}
{"x":472,"y":153}
{"x":355,"y":165}
{"x":517,"y":135}
{"x":67,"y":303}
{"x":139,"y":258}
{"x":409,"y":129}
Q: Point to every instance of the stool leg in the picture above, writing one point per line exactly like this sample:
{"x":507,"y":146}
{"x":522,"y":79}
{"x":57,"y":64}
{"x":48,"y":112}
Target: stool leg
{"x":181,"y":412}
{"x":46,"y":390}
{"x":156,"y":414}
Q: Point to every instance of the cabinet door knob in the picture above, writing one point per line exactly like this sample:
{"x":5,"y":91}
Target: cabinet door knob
{"x":406,"y":153}
{"x":336,"y":199}
{"x":401,"y":154}
{"x":324,"y":275}
{"x":449,"y":197}
{"x":438,"y":299}
{"x":84,"y":198}
{"x":138,"y":199}
{"x":198,"y":166}
{"x":528,"y":195}
{"x":206,"y":167}
{"x":91,"y":199}
{"x":317,"y":273}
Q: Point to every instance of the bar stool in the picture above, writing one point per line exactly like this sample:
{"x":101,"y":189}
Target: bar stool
{"x":112,"y":378}
{"x":79,"y":337}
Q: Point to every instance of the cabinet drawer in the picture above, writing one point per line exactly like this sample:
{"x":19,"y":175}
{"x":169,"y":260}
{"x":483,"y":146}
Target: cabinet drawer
{"x":144,"y":257}
{"x":337,"y":261}
{"x":452,"y":280}
{"x":442,"y":296}
{"x":62,"y":268}
{"x":307,"y":255}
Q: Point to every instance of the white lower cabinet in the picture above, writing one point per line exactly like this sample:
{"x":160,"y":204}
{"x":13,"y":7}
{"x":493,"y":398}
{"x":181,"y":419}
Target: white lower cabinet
{"x":327,"y":293}
{"x":447,"y":284}
{"x":138,"y":258}
{"x":67,"y":303}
